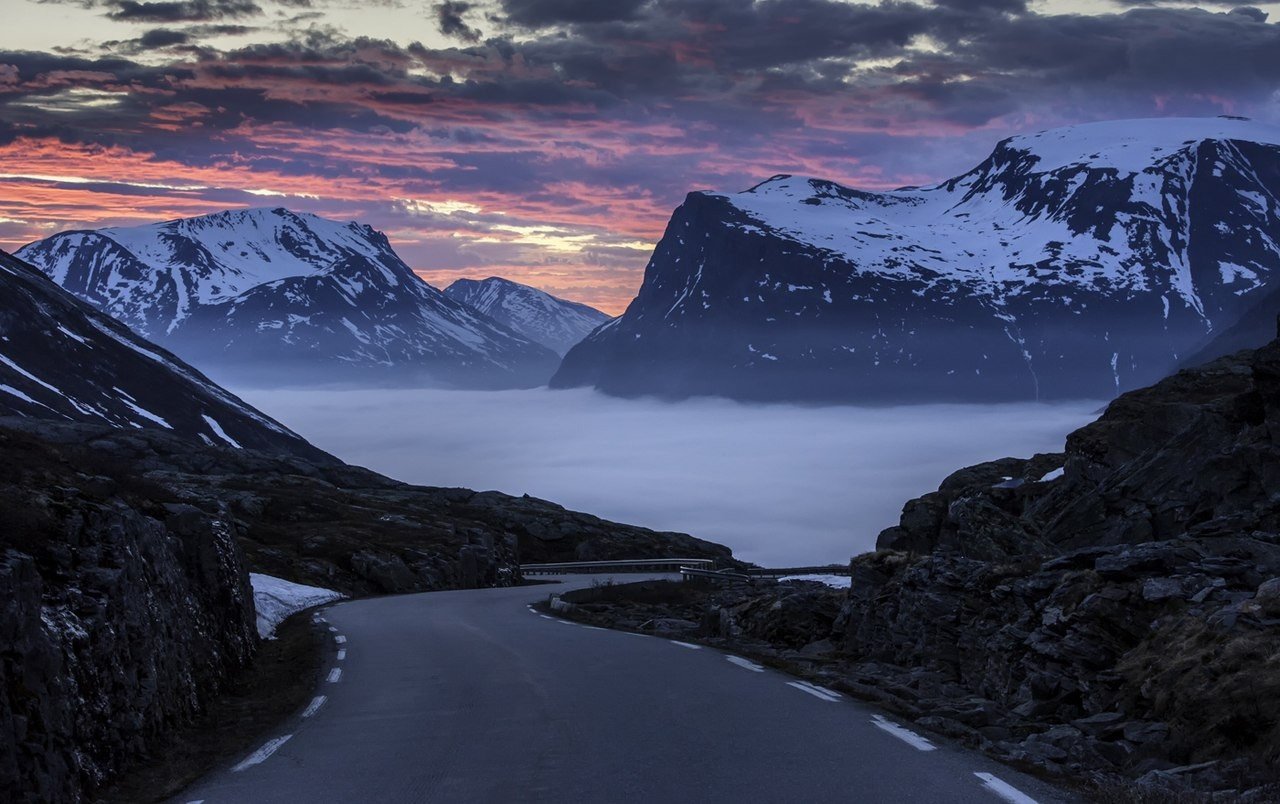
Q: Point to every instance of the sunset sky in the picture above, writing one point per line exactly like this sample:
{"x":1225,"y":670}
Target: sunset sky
{"x":549,"y":140}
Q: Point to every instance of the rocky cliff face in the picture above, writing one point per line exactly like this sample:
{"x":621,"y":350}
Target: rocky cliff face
{"x":122,"y":611}
{"x":1075,"y":263}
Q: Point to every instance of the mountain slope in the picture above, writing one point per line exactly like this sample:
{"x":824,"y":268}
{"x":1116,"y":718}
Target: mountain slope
{"x":555,"y":323}
{"x":270,"y":295}
{"x":1072,"y":263}
{"x":1253,"y":329}
{"x":61,"y":359}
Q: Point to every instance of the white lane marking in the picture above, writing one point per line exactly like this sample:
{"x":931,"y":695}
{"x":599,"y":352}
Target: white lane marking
{"x":906,"y":735}
{"x":545,"y":617}
{"x":812,"y":691}
{"x":342,"y":654}
{"x":340,"y":639}
{"x":197,"y":801}
{"x":1004,"y":790}
{"x":314,"y":706}
{"x":745,"y":664}
{"x":315,"y":619}
{"x":268,"y":748}
{"x":595,"y":628}
{"x":335,"y":674}
{"x":823,"y":690}
{"x":633,"y":633}
{"x":333,"y":629}
{"x":532,"y":609}
{"x":685,"y":644}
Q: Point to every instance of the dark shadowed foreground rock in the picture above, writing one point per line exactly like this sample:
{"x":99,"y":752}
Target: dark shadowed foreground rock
{"x":342,"y":527}
{"x":124,"y":603}
{"x":1110,"y":615}
{"x":122,"y":611}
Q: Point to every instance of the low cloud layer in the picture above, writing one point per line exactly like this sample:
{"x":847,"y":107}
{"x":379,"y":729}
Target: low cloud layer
{"x":781,"y":485}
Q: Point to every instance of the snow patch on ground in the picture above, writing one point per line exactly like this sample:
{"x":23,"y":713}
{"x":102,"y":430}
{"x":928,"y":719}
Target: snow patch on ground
{"x":276,"y":598}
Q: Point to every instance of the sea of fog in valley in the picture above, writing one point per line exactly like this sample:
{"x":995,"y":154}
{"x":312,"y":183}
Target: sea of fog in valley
{"x":782,"y":485}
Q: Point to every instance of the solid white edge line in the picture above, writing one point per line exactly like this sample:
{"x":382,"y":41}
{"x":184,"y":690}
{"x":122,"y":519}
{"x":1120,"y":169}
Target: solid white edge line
{"x":268,"y":748}
{"x":595,"y":628}
{"x":906,"y":735}
{"x":340,"y":639}
{"x":335,"y":674}
{"x":685,"y":644}
{"x":342,"y":654}
{"x":811,"y":691}
{"x":1004,"y":790}
{"x":745,"y":664}
{"x":314,"y":706}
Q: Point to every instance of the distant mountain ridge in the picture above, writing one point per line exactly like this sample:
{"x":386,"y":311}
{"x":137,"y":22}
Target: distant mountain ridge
{"x":1077,"y":262}
{"x":553,"y":322}
{"x":268,"y":295}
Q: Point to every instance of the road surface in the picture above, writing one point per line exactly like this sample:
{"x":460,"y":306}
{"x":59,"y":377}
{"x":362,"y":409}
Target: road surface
{"x":472,"y":697}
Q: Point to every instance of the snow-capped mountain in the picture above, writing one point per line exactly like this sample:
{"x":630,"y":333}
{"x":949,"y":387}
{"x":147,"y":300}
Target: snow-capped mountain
{"x":268,"y":295}
{"x":61,"y":359}
{"x":1076,"y":262}
{"x":542,"y":318}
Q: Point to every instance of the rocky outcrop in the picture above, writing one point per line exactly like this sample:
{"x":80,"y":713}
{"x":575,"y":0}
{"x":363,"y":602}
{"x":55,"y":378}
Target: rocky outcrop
{"x":327,"y":524}
{"x":122,"y":611}
{"x":1109,"y":615}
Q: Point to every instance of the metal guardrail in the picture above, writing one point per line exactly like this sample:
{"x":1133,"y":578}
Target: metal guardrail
{"x":836,"y":569}
{"x":757,"y":574}
{"x":687,"y":573}
{"x":637,"y":564}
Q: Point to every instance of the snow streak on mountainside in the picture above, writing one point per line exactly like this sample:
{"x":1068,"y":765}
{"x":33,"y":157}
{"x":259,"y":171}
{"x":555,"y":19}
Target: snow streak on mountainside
{"x":270,"y":296}
{"x":60,"y":359}
{"x":1073,"y":263}
{"x":553,"y":322}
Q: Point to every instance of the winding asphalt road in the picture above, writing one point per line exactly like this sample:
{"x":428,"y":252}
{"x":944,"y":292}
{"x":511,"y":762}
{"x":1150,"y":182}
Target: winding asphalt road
{"x":472,"y":696}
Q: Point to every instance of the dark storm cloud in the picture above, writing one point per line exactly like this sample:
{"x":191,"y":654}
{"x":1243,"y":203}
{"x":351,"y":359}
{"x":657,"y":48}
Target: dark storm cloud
{"x":605,"y":114}
{"x":542,"y":13}
{"x":182,"y":10}
{"x":449,"y":16}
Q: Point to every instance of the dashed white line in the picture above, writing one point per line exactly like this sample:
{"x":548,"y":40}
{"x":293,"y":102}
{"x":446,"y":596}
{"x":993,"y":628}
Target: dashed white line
{"x":1004,"y":790}
{"x":333,"y":629}
{"x":745,"y":664}
{"x":335,"y":674}
{"x":906,"y":735}
{"x":823,"y":690}
{"x":595,"y":628}
{"x":545,"y":617}
{"x":685,"y":644}
{"x":314,"y":706}
{"x":268,"y":748}
{"x":342,"y":654}
{"x":340,"y":639}
{"x":815,"y":693}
